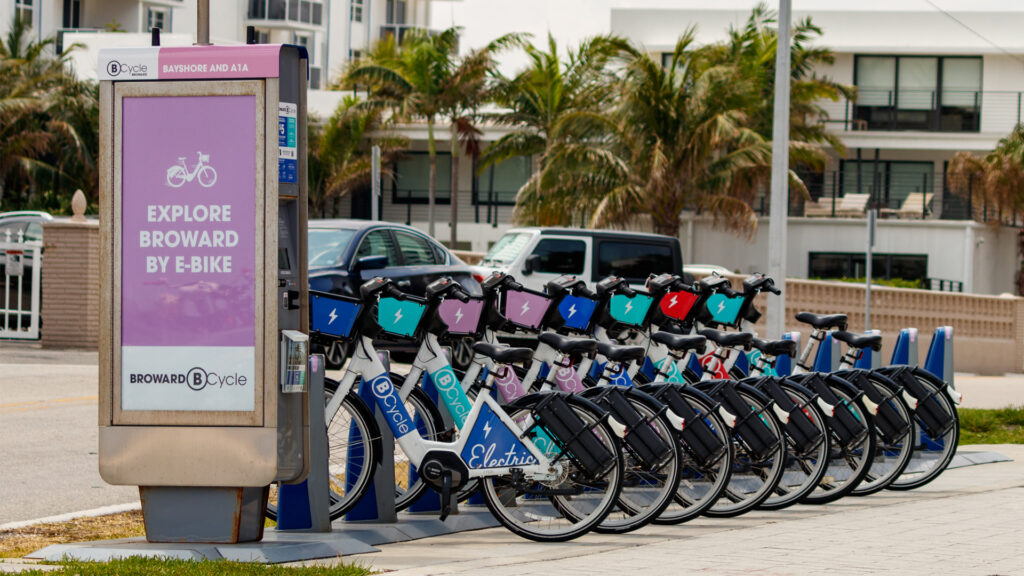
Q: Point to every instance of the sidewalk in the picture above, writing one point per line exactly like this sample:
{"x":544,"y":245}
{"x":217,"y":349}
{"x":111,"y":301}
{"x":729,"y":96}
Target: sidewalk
{"x":990,"y":391}
{"x":965,"y":522}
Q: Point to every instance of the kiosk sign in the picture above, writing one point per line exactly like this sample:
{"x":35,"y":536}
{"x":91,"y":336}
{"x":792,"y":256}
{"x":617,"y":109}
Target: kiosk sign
{"x":188,"y":275}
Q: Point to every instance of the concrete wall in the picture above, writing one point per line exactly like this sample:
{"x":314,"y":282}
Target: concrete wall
{"x":70,"y":295}
{"x":988,"y":331}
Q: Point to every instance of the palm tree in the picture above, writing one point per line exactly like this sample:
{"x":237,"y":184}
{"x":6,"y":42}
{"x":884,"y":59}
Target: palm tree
{"x":997,"y":179}
{"x":678,"y":138}
{"x":543,"y":105}
{"x":339,"y":153}
{"x":411,"y":80}
{"x":48,"y":120}
{"x":466,"y":91}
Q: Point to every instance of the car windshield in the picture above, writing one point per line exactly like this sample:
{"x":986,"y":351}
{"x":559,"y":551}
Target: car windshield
{"x":507,"y":248}
{"x":327,"y":247}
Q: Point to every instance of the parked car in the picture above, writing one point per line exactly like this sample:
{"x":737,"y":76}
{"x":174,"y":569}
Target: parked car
{"x":23,"y":226}
{"x":345,"y":253}
{"x":537,"y":255}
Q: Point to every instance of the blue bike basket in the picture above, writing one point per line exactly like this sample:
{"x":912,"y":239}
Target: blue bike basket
{"x":400,"y":317}
{"x":631,"y":311}
{"x":332,"y":315}
{"x":577,"y":311}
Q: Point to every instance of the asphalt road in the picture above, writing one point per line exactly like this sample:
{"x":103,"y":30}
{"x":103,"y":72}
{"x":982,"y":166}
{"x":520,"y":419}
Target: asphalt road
{"x":48,"y":436}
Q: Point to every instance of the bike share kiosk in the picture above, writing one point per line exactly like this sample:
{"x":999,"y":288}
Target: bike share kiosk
{"x":203,"y":398}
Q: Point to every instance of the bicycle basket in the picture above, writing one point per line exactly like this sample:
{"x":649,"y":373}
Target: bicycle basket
{"x":677,"y":305}
{"x":204,"y":158}
{"x":462,"y":318}
{"x":630,"y":310}
{"x":726,"y":310}
{"x":400,"y":317}
{"x":525,"y":308}
{"x":332,"y":315}
{"x":576,"y":312}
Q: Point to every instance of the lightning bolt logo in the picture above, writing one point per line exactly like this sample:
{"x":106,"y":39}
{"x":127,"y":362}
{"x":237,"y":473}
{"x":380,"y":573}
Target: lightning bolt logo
{"x":333,"y":316}
{"x":525,"y":309}
{"x":672,"y":302}
{"x":398,"y":315}
{"x":572,"y":310}
{"x":721,"y":306}
{"x":487,"y":429}
{"x":458,"y":315}
{"x":629,"y":306}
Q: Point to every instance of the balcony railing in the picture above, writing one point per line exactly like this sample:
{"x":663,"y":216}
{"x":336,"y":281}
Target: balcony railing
{"x":399,"y":31}
{"x":301,"y":11}
{"x":954,"y":111}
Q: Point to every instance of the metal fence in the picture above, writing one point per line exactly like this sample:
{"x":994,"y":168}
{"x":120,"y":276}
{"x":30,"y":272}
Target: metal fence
{"x":927,"y":110}
{"x":20,"y":265}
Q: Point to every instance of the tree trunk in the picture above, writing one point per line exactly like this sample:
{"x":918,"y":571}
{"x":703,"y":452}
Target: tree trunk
{"x":432,"y":149}
{"x":455,"y":186}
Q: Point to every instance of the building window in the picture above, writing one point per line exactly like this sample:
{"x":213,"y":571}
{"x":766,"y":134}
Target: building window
{"x":24,"y":10}
{"x":318,"y":13}
{"x":666,"y":59}
{"x":355,"y":54}
{"x":412,"y":179}
{"x":931,"y":93}
{"x":834,"y":265}
{"x":889,"y":184}
{"x":72,"y":13}
{"x":356,"y":10}
{"x":499,"y":183}
{"x":158,"y":17}
{"x":394,"y":12}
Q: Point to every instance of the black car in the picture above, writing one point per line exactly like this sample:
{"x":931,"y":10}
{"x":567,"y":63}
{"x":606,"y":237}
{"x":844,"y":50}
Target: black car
{"x":345,"y":253}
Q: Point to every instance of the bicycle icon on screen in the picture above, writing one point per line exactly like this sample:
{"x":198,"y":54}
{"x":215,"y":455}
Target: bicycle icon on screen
{"x":179,"y":174}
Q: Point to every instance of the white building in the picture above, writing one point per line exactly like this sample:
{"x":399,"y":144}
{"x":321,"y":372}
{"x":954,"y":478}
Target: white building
{"x":331,"y":30}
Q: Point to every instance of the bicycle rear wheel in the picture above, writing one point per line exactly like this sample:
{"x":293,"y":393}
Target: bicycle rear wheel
{"x":556,"y":510}
{"x":932,"y":451}
{"x":894,"y":450}
{"x":849,"y":461}
{"x":754,"y":478}
{"x":803,"y":471}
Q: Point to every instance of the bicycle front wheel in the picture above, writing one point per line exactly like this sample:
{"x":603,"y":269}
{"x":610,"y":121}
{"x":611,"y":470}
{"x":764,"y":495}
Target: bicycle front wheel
{"x":803,"y":471}
{"x":561,"y":508}
{"x":895,"y":447}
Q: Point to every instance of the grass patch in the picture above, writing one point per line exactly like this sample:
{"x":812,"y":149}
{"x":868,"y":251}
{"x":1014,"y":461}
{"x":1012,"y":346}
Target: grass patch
{"x":17,"y":543}
{"x":164,"y":567}
{"x":1002,"y":426}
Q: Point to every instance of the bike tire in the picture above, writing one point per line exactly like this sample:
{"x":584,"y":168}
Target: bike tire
{"x":753,"y":479}
{"x":931,"y":455}
{"x":802,"y":472}
{"x":543,"y":519}
{"x":353,"y":444}
{"x":646,"y":492}
{"x":848,"y":463}
{"x":891,"y":457}
{"x":700,"y":485}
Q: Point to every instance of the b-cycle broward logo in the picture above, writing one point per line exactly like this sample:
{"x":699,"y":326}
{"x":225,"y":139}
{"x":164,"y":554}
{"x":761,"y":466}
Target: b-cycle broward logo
{"x":196,"y":379}
{"x":118,"y":69}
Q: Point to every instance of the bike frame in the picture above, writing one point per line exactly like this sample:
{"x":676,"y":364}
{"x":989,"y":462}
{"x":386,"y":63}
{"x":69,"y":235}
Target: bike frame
{"x":365,"y":364}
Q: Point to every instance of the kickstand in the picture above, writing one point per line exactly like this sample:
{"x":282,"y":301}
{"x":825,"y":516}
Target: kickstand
{"x":446,"y":495}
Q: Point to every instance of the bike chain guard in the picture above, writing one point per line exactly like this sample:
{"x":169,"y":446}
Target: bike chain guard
{"x":576,"y":440}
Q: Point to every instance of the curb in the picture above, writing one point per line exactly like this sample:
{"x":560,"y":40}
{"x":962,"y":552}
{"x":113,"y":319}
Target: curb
{"x":102,"y":511}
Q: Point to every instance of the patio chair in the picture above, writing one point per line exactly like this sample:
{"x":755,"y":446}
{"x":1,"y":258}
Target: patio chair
{"x":853,"y":205}
{"x":820,"y":208}
{"x":916,"y":205}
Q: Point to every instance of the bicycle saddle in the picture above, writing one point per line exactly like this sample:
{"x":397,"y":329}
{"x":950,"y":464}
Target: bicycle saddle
{"x":775,"y":347}
{"x":859,"y":341}
{"x":621,"y":353}
{"x":681,"y":342}
{"x":823,"y":321}
{"x":503,"y":354}
{"x":568,"y":345}
{"x":728,"y":339}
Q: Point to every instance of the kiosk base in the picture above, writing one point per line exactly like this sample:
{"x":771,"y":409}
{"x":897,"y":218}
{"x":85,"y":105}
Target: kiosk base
{"x":203,"y":515}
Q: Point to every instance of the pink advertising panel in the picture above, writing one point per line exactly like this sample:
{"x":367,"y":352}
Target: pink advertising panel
{"x":188,"y":261}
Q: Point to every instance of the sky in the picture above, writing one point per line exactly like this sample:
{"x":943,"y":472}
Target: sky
{"x":569,"y":21}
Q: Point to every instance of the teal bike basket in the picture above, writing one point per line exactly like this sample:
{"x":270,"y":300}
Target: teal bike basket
{"x":631,"y":311}
{"x":400,"y":317}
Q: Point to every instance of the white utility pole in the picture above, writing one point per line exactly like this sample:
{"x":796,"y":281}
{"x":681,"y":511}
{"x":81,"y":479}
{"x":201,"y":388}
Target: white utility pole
{"x":375,"y":183}
{"x":776,"y":318}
